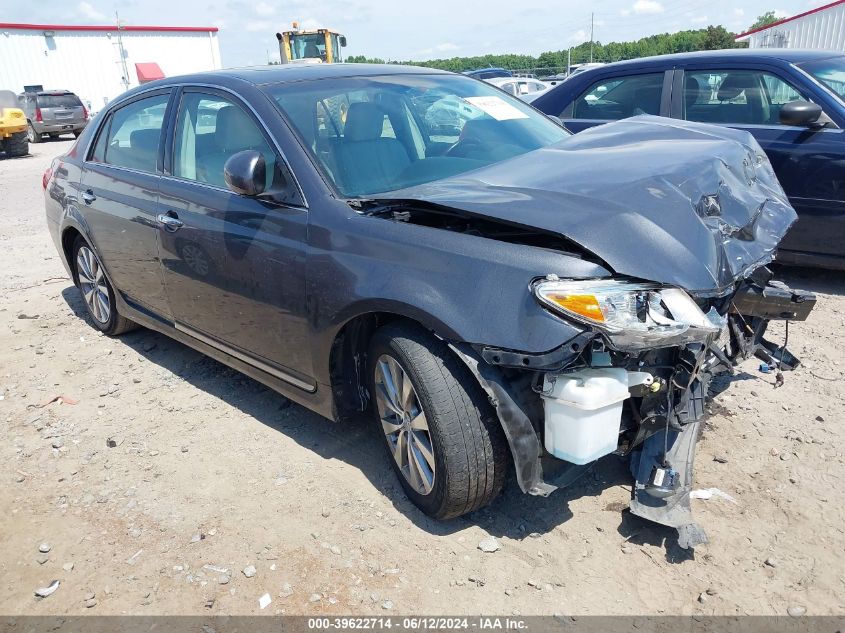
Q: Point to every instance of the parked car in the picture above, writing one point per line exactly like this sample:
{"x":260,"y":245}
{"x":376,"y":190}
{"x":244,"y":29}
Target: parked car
{"x":490,"y":298}
{"x":488,"y":73}
{"x":518,"y":86}
{"x":53,"y":112}
{"x":791,"y":101}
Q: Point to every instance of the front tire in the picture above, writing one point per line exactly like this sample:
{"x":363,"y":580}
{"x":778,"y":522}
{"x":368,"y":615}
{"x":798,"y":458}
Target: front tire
{"x":97,"y":292}
{"x":444,"y":441}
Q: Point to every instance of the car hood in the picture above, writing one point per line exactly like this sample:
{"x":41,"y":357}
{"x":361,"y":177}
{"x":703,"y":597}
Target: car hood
{"x":687,"y":204}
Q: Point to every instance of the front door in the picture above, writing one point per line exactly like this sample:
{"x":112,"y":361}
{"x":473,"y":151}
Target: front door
{"x":611,"y":98}
{"x":809,"y":163}
{"x":234,"y":266}
{"x":119,"y":199}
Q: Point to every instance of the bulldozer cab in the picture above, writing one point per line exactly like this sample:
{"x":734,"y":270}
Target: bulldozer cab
{"x":314,"y":47}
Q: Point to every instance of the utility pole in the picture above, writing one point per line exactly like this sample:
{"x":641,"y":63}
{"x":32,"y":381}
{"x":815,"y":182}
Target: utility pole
{"x":122,"y":53}
{"x":592,"y":31}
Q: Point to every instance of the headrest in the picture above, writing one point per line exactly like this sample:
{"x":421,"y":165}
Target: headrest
{"x":733,"y":85}
{"x":364,"y":121}
{"x":692,"y":90}
{"x":145,"y":139}
{"x":235,"y":131}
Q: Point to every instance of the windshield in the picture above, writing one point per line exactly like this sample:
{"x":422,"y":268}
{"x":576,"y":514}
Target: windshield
{"x":830,"y":72}
{"x":375,"y":134}
{"x":308,"y":46}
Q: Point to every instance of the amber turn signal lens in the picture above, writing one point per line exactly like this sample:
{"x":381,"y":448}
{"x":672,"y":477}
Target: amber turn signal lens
{"x":584,"y":305}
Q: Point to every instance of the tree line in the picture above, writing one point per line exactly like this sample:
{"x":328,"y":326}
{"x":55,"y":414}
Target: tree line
{"x":710,"y":38}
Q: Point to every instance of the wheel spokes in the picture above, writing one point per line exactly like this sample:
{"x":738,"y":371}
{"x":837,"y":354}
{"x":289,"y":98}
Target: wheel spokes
{"x":404,"y":424}
{"x":93,"y":284}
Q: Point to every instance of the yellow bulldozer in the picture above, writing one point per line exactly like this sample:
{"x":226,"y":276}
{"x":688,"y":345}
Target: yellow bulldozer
{"x":13,"y":138}
{"x":310,"y":47}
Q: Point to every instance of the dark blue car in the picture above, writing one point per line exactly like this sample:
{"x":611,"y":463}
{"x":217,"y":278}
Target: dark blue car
{"x":791,"y":101}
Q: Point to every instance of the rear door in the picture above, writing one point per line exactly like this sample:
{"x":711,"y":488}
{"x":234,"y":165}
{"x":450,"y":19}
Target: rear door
{"x":61,"y":108}
{"x":810,"y":163}
{"x":234,"y":266}
{"x":119,"y":200}
{"x":614,"y":96}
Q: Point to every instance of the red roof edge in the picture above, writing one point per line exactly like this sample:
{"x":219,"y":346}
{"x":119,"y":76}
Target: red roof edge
{"x":794,"y":17}
{"x":81,"y":27}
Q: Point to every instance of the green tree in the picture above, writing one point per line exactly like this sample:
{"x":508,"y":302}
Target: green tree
{"x":764,"y":20}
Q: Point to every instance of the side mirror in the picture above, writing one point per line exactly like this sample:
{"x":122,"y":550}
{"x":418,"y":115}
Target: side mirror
{"x":800,"y":113}
{"x":245,"y":173}
{"x":342,"y":40}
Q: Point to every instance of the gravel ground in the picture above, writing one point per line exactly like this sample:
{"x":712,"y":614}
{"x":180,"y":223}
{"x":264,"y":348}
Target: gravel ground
{"x":176,"y":485}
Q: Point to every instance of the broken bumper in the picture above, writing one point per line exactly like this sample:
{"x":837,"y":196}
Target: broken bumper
{"x":663,"y":416}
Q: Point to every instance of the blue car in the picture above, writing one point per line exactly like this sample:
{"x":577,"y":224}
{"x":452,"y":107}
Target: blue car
{"x":488,"y":73}
{"x":792,"y":101}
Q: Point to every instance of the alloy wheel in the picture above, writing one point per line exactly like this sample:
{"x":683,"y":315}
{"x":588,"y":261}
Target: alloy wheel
{"x":92,"y":283}
{"x":404,"y":424}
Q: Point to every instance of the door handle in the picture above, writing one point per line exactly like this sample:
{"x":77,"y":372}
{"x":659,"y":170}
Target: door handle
{"x":170,"y":221}
{"x":88,"y":197}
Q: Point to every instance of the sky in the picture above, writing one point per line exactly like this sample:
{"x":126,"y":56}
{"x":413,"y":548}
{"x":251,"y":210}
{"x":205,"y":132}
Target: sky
{"x":402,"y":30}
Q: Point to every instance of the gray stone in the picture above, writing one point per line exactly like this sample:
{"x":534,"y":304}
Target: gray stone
{"x":223,"y":579}
{"x":771,"y":562}
{"x":92,"y":602}
{"x":90,"y":596}
{"x":68,"y":566}
{"x":489,"y":545}
{"x":249,"y":571}
{"x":315,"y":597}
{"x":335,"y":550}
{"x":287,"y":591}
{"x":44,"y":548}
{"x":796,"y":611}
{"x":387,"y":605}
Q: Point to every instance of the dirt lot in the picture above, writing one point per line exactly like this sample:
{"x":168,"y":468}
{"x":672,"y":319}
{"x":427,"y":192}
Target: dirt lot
{"x":212,"y":473}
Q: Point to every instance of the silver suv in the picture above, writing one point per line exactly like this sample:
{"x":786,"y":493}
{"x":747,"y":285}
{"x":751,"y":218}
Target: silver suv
{"x":53,"y":112}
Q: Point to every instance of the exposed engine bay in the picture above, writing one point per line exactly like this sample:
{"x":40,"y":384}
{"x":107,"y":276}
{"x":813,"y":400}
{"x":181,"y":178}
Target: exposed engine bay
{"x":655,"y":396}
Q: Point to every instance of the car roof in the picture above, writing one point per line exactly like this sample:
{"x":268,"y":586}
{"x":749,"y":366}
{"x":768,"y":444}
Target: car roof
{"x":282,"y":73}
{"x":788,"y":55}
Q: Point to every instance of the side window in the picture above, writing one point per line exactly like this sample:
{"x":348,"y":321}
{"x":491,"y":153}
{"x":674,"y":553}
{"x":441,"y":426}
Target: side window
{"x":620,"y":97}
{"x":130,"y":137}
{"x":209,"y":130}
{"x":750,"y":97}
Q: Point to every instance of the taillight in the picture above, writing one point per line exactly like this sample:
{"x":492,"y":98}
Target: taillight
{"x":46,"y":177}
{"x":84,"y":113}
{"x":38,"y":114}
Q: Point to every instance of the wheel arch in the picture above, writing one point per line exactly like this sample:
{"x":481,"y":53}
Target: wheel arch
{"x":348,"y":355}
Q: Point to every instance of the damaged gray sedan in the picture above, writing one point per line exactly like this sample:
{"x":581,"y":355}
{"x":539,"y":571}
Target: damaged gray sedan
{"x":496,"y":295}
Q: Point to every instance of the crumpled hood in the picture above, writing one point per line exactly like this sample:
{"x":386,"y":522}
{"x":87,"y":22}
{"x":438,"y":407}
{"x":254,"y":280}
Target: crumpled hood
{"x":687,"y":204}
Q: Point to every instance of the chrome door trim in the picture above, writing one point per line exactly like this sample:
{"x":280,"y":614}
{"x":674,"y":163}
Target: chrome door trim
{"x":249,"y":360}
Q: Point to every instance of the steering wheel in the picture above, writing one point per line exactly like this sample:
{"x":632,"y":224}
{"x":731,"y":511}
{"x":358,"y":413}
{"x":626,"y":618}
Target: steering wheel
{"x":463,"y":147}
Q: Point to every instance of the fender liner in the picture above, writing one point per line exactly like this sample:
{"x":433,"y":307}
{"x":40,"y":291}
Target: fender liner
{"x":522,"y":436}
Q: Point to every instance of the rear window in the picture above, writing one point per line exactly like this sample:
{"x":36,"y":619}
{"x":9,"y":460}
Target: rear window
{"x":69,"y":100}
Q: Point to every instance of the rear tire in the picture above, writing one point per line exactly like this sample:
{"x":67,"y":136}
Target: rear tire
{"x":34,"y":137}
{"x":97,"y":292}
{"x":17,"y":144}
{"x":469,"y":448}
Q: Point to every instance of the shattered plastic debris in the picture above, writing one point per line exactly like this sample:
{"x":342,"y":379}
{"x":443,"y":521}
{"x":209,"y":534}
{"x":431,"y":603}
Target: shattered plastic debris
{"x":43,"y":592}
{"x":61,"y":399}
{"x":709,"y":493}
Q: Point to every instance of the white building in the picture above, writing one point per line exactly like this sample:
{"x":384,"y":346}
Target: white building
{"x":100,"y":62}
{"x":822,"y":27}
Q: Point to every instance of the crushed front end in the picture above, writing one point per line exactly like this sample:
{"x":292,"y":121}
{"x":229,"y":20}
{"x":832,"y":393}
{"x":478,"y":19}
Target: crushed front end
{"x":635,"y":381}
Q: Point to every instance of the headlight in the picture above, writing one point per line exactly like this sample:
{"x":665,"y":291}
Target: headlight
{"x":631,"y":314}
